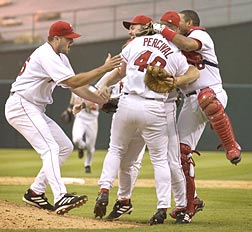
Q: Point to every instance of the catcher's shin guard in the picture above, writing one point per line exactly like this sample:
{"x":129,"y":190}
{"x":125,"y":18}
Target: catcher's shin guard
{"x":220,"y":123}
{"x":188,"y":168}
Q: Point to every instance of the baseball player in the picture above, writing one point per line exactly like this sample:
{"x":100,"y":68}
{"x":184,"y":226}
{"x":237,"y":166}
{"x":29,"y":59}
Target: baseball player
{"x":84,"y":131}
{"x":144,"y":110}
{"x":136,"y":146}
{"x":123,"y":204}
{"x":205,"y":99}
{"x":47,"y":67}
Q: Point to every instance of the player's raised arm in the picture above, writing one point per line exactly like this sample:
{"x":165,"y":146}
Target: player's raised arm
{"x":85,"y":78}
{"x":99,"y":98}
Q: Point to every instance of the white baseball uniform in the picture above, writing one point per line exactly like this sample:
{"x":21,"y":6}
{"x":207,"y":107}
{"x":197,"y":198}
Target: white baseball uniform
{"x":192,"y":120}
{"x":137,"y":146}
{"x":25,"y":111}
{"x":143,"y":110}
{"x":84,"y":131}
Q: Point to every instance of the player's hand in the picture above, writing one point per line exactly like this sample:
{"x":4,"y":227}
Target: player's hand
{"x":157,"y":27}
{"x":76,"y":109}
{"x":112,"y":62}
{"x":170,"y":80}
{"x":104,"y":92}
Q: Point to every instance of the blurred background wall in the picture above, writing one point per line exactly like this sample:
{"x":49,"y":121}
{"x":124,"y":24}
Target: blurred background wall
{"x":24,"y":26}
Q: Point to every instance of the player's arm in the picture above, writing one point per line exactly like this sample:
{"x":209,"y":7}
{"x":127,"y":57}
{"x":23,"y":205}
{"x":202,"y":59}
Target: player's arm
{"x":185,"y":43}
{"x":101,"y":81}
{"x":115,"y":76}
{"x":182,"y":42}
{"x":85,"y":78}
{"x":85,"y":93}
{"x":189,"y":76}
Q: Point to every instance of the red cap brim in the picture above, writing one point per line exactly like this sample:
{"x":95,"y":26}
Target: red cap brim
{"x":127,"y":24}
{"x":73,"y":35}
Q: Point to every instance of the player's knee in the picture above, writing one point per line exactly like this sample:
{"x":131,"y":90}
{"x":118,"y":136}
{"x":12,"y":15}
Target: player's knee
{"x":176,"y":174}
{"x":210,"y":105}
{"x":214,"y":109}
{"x":70,"y":148}
{"x":65,"y":152}
{"x":67,"y":149}
{"x":53,"y":149}
{"x":91,"y":149}
{"x":206,"y":97}
{"x":77,"y":140}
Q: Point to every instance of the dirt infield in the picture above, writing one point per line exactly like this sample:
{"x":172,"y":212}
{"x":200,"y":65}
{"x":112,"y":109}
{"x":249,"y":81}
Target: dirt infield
{"x":140,"y":182}
{"x":14,"y":216}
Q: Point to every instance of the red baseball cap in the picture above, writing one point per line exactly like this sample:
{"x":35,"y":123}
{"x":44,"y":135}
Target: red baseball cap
{"x":139,"y":19}
{"x":61,"y":28}
{"x":171,"y":17}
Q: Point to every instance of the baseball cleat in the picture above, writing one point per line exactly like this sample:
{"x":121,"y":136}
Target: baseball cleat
{"x":37,"y":200}
{"x":120,"y":209}
{"x":87,"y":169}
{"x":233,"y":152}
{"x":101,"y":204}
{"x":175,"y":211}
{"x":198,"y":204}
{"x":68,"y":202}
{"x":182,"y":218}
{"x":80,"y":153}
{"x":234,"y":155}
{"x":158,"y":217}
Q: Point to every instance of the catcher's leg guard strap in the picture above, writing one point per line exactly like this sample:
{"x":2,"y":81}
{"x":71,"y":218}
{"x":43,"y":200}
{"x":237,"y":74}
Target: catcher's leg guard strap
{"x":220,"y":123}
{"x":188,"y":168}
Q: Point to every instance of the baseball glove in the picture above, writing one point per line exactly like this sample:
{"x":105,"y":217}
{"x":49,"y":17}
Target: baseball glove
{"x":67,"y":117}
{"x":146,"y":30}
{"x":110,"y":106}
{"x":159,"y":80}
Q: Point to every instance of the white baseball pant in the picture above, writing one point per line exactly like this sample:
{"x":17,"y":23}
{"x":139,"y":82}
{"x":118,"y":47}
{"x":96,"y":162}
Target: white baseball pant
{"x":149,"y":116}
{"x":46,"y":137}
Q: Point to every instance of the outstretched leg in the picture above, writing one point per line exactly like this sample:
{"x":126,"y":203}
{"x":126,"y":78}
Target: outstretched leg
{"x":220,"y":123}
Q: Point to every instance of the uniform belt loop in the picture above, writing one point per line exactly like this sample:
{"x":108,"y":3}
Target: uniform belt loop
{"x":191,"y":93}
{"x":194,"y":92}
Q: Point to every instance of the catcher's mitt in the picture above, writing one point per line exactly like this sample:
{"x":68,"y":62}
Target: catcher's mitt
{"x":159,"y":80}
{"x":67,"y":117}
{"x":110,"y":106}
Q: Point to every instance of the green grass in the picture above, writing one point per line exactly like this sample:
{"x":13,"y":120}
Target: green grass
{"x":226,"y":209}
